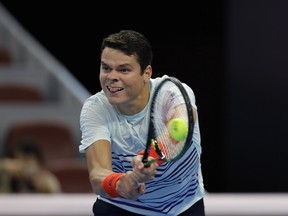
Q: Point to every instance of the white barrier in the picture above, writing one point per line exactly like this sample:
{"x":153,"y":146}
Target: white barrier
{"x":81,"y":204}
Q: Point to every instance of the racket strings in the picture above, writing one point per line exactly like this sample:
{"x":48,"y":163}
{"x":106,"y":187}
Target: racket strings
{"x":169,"y":104}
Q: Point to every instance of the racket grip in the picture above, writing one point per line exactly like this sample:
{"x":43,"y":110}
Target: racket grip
{"x":153,"y":154}
{"x":148,"y":163}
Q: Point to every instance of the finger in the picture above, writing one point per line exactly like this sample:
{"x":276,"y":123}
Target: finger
{"x":141,"y":189}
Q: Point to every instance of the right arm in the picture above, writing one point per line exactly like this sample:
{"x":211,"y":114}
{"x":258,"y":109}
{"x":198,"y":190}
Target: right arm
{"x":99,"y":162}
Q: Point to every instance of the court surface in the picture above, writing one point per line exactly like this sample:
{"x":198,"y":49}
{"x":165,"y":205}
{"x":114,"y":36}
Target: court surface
{"x":81,"y":204}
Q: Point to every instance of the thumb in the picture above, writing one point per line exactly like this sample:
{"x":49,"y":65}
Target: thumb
{"x":141,"y":188}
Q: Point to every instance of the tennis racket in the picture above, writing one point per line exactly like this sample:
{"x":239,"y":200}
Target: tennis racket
{"x":170,"y":101}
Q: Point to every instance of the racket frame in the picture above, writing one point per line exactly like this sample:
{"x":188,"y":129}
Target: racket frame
{"x":151,"y":130}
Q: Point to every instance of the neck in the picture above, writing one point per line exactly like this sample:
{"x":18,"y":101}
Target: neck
{"x":137,"y":105}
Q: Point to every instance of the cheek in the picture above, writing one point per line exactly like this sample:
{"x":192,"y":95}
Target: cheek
{"x":101,"y":76}
{"x":136,"y":88}
{"x":102,"y":79}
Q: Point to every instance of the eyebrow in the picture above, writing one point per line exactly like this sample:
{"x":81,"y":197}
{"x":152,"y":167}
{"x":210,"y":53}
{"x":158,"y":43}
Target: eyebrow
{"x":121,"y":65}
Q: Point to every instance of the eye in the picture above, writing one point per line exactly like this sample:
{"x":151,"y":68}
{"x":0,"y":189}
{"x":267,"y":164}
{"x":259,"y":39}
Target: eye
{"x":105,"y":68}
{"x":124,"y":70}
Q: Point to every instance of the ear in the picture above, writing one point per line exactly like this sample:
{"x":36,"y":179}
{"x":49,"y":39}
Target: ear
{"x":147,"y":73}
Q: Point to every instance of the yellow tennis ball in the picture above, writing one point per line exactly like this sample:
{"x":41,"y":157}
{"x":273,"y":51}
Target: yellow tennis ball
{"x":178,"y":129}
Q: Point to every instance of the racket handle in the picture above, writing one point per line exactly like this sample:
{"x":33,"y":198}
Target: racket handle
{"x":148,"y":163}
{"x":154,"y":152}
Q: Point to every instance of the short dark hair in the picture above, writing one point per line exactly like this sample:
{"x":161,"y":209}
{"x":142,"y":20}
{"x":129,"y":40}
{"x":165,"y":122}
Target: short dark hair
{"x":30,"y":148}
{"x":131,"y":43}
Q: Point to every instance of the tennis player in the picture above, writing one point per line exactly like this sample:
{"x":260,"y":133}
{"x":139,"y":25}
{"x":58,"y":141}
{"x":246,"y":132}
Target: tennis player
{"x":114,"y":124}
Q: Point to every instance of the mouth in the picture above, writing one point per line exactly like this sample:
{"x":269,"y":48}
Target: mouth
{"x":114,"y":89}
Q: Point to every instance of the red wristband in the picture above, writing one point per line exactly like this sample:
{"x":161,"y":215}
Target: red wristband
{"x":109,"y":184}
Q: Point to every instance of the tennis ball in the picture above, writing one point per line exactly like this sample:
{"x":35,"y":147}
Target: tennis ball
{"x":178,"y":129}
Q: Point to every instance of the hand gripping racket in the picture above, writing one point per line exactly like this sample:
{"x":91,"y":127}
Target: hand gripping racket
{"x":170,"y":101}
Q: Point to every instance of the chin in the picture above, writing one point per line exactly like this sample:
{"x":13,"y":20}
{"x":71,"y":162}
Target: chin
{"x":114,"y":101}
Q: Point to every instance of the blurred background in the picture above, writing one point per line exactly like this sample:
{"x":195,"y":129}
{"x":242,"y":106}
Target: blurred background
{"x":232,"y":53}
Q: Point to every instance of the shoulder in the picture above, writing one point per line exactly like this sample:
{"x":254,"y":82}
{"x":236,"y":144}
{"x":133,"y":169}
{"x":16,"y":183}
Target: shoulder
{"x":156,"y":81}
{"x":98,"y":97}
{"x":95,"y":105}
{"x":95,"y":100}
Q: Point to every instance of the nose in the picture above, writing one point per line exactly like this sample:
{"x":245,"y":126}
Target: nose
{"x":112,"y":75}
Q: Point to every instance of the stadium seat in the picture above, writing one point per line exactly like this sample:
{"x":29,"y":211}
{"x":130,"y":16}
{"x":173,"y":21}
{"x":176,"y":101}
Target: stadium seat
{"x":72,"y":174}
{"x":17,"y":92}
{"x":5,"y":56}
{"x":54,"y":138}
